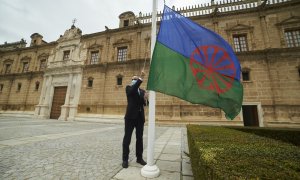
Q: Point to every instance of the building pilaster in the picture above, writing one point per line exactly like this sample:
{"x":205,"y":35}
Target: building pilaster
{"x":66,"y":107}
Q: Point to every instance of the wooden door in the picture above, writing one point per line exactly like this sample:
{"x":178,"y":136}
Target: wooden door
{"x":250,"y":115}
{"x":58,"y":100}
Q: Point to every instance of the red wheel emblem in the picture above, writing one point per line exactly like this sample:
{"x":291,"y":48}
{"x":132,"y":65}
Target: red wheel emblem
{"x":213,"y":68}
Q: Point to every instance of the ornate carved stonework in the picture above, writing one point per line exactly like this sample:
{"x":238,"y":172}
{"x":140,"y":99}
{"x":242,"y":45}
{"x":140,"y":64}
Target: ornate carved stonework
{"x":122,"y":41}
{"x":73,"y":33}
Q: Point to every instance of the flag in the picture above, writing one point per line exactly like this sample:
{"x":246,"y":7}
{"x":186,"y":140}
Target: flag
{"x":195,"y":64}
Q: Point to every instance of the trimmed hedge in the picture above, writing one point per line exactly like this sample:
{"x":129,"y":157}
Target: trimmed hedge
{"x":286,"y":135}
{"x":224,"y":153}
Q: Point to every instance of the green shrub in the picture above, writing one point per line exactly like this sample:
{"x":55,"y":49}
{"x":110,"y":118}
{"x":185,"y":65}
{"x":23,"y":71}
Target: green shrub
{"x":223,"y":153}
{"x":286,"y":135}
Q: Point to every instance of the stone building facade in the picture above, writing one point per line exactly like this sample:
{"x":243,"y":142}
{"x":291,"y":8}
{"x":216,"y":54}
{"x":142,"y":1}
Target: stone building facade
{"x":84,"y":75}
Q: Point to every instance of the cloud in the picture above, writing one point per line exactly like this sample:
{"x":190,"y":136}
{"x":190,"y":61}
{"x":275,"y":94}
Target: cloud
{"x":50,"y":18}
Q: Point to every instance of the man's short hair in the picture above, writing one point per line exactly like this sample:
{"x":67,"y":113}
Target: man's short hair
{"x":134,"y":77}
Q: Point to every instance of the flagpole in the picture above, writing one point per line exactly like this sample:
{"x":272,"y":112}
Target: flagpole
{"x":151,"y":170}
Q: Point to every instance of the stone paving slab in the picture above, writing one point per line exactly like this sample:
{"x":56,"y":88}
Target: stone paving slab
{"x":130,"y":173}
{"x":172,"y":166}
{"x":172,"y":149}
{"x":170,"y":157}
{"x":166,"y":175}
{"x":170,"y":163}
{"x":51,"y":149}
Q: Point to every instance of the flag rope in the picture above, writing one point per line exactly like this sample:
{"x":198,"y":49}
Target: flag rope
{"x":146,"y":55}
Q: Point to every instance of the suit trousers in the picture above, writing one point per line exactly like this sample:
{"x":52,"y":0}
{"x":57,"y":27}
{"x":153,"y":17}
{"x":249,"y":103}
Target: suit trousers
{"x":130,"y":124}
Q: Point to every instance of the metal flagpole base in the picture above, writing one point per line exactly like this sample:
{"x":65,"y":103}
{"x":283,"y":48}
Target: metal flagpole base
{"x":150,"y":171}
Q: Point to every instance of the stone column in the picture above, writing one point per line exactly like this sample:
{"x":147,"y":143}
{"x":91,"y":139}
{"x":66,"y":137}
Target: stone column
{"x":75,"y":94}
{"x":264,"y":27}
{"x":27,"y":91}
{"x":138,"y":46}
{"x":65,"y":108}
{"x":44,"y":88}
{"x":11,"y":81}
{"x":41,"y":110}
{"x":101,"y":102}
{"x":176,"y":109}
{"x":216,"y":25}
{"x":46,"y":105}
{"x":38,"y":107}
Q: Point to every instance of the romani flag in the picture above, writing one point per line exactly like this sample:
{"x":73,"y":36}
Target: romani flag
{"x":195,"y":64}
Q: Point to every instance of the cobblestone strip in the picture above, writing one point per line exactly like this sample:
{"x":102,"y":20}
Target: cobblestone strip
{"x":12,"y":121}
{"x":22,"y":126}
{"x":19,"y":141}
{"x":31,"y":125}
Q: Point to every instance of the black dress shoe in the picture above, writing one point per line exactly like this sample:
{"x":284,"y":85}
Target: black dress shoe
{"x":125,"y":164}
{"x":141,"y":161}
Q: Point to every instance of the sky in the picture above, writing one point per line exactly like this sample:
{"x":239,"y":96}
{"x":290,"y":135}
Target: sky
{"x":50,"y":18}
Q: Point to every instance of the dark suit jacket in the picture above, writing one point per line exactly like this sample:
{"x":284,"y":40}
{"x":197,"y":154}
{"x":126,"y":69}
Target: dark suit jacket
{"x":135,"y":101}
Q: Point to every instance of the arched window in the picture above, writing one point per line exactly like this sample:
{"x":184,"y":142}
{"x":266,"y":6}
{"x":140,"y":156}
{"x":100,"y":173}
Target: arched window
{"x":246,"y":74}
{"x":19,"y":87}
{"x":119,"y":80}
{"x":37,"y":85}
{"x":90,"y":82}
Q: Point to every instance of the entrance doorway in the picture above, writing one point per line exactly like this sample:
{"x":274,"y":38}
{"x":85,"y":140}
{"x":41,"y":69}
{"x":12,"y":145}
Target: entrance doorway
{"x":250,"y":115}
{"x":58,"y":100}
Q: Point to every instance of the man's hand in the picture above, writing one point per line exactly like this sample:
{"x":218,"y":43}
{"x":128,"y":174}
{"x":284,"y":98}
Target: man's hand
{"x":146,"y":95}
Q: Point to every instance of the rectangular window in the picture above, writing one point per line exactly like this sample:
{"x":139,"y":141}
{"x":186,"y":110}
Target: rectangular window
{"x":240,"y":43}
{"x":292,"y":38}
{"x":42,"y":64}
{"x":1,"y":87}
{"x":66,"y":55}
{"x":122,"y":54}
{"x":25,"y":67}
{"x":126,"y":23}
{"x":7,"y":68}
{"x":94,"y":57}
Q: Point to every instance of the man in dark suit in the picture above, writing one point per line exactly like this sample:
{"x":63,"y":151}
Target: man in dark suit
{"x":134,"y":118}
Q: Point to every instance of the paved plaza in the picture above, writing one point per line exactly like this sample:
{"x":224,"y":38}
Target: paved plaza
{"x":51,"y":149}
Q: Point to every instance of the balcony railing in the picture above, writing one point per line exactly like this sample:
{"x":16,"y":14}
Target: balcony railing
{"x":208,"y":8}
